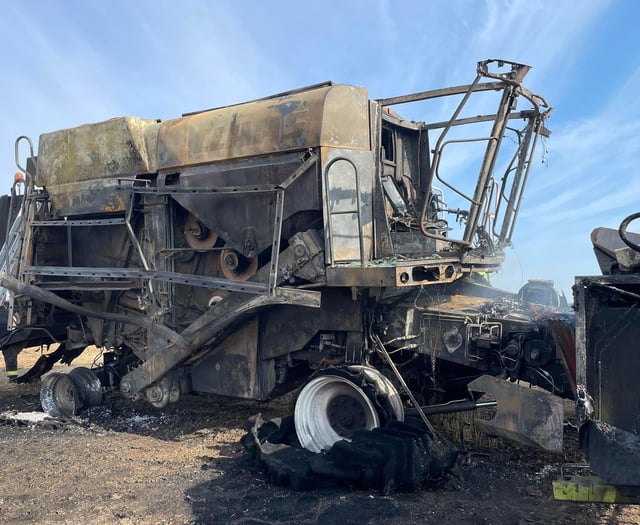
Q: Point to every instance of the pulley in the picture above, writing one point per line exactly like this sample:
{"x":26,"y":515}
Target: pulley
{"x":236,"y":266}
{"x":198,"y":236}
{"x":537,"y":353}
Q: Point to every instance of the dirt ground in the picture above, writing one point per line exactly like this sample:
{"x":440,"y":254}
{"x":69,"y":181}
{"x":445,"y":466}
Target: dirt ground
{"x":128,"y":463}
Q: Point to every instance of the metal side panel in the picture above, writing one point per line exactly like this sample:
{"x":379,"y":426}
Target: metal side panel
{"x":235,"y":369}
{"x":608,"y":318}
{"x":608,"y":367}
{"x":526,"y":415}
{"x":348,"y":215}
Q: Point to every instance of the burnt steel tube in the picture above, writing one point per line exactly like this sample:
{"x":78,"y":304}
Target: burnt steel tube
{"x":453,"y":406}
{"x":39,"y":294}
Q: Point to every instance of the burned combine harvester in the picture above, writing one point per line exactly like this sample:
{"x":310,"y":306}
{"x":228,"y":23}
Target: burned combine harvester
{"x":310,"y":238}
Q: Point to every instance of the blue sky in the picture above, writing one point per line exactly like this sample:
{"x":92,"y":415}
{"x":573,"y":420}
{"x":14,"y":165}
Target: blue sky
{"x":70,"y":62}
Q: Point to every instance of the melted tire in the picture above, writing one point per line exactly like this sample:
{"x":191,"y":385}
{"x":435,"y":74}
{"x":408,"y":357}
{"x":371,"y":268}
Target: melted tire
{"x":88,"y":385}
{"x":402,"y":456}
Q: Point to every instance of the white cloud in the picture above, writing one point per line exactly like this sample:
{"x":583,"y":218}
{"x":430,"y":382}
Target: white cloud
{"x":590,"y":182}
{"x":591,"y":169}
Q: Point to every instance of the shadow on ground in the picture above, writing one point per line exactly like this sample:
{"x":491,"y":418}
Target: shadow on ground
{"x":239,"y":494}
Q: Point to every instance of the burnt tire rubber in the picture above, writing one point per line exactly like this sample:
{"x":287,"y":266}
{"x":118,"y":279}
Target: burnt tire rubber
{"x":402,"y":456}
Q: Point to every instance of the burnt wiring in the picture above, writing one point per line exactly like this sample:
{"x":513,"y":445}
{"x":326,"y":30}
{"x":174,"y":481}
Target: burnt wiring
{"x":546,"y":376}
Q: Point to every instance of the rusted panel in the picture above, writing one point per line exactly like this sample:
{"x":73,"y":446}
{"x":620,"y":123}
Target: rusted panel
{"x":427,"y":274}
{"x":526,"y":415}
{"x":345,"y":119}
{"x":80,"y":166}
{"x":94,"y":196}
{"x":608,"y":314}
{"x":286,"y":329}
{"x":236,"y":213}
{"x":391,"y":274}
{"x":329,"y":116}
{"x":358,"y":276}
{"x":94,"y":151}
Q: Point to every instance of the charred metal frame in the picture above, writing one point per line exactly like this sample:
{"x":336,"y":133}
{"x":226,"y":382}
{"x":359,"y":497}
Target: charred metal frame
{"x":607,"y":314}
{"x":607,"y":368}
{"x":173,"y":277}
{"x":510,"y":84}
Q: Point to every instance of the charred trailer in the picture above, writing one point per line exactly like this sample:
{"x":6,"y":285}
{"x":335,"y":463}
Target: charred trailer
{"x":314,"y":237}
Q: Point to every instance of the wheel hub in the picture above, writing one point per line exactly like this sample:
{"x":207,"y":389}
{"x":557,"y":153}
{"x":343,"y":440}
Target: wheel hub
{"x":346,"y":414}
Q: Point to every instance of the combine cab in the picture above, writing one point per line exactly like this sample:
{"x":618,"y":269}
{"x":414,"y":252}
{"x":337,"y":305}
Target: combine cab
{"x":311,"y":238}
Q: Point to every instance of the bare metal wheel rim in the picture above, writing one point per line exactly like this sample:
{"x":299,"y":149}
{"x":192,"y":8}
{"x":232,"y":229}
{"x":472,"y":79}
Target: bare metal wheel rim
{"x":331,"y":408}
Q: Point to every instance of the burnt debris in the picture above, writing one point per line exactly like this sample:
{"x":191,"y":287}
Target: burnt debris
{"x":402,"y":456}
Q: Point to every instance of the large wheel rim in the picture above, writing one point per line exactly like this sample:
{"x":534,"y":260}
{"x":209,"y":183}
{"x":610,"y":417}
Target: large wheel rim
{"x":331,"y":408}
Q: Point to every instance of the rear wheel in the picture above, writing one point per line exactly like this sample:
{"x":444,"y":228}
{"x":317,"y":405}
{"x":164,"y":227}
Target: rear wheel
{"x":59,"y":395}
{"x":67,"y":394}
{"x":340,"y":401}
